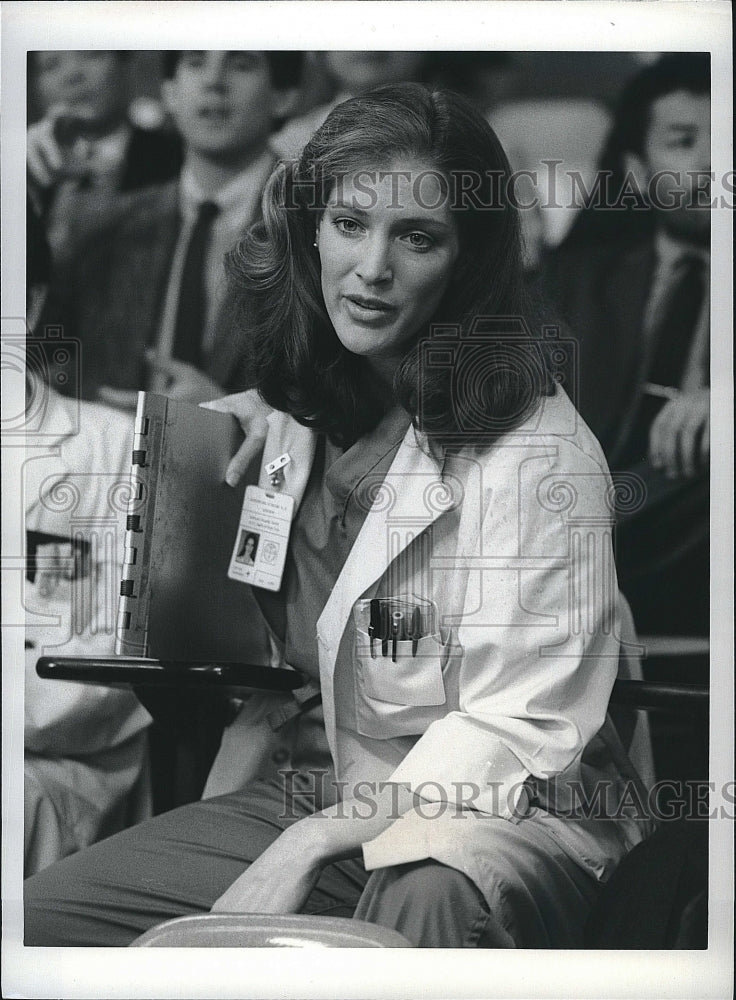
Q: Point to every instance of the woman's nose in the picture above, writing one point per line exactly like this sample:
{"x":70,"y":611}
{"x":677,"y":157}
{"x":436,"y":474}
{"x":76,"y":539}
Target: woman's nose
{"x":374,"y":264}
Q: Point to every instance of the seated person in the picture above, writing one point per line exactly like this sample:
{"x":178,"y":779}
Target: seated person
{"x":349,"y":73}
{"x":636,"y":297}
{"x":145,"y":293}
{"x":84,"y":149}
{"x":85,"y":761}
{"x":438,"y":795}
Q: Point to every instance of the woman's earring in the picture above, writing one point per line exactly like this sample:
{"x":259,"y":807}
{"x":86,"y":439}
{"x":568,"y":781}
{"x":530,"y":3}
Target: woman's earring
{"x":315,"y":245}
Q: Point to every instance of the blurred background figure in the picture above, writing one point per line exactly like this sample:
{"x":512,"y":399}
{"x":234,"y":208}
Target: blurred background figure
{"x":346,"y":74}
{"x":633,"y":281}
{"x":91,"y":141}
{"x":554,"y":139}
{"x":485,"y":78}
{"x":145,"y":293}
{"x":85,"y":761}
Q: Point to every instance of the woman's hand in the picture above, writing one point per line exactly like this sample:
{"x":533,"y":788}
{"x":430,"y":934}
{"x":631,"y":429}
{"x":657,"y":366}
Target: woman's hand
{"x":281,"y":879}
{"x":251,"y":413}
{"x":181,"y":380}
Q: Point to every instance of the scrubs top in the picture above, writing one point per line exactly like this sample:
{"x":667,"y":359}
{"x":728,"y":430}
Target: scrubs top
{"x":323,"y":532}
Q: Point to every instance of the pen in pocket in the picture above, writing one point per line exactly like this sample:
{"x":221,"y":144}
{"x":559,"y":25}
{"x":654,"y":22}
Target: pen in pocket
{"x":374,"y":628}
{"x":414,"y":629}
{"x":385,"y":629}
{"x":396,"y":634}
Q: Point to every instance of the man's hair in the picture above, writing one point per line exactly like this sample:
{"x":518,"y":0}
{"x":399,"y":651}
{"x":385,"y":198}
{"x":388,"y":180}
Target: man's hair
{"x":634,"y":221}
{"x":676,"y":71}
{"x":32,"y":60}
{"x":294,"y":357}
{"x":285,"y":68}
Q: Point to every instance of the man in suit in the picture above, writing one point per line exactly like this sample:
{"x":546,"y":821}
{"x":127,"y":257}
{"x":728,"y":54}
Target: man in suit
{"x":638,"y":303}
{"x":147,"y":288}
{"x":85,"y":148}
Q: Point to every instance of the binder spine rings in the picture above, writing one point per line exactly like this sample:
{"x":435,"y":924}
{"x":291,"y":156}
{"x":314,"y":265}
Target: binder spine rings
{"x":132,"y":619}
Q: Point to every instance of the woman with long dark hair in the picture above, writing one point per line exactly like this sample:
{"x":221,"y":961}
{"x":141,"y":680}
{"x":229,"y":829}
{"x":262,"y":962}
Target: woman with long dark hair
{"x":448,"y":767}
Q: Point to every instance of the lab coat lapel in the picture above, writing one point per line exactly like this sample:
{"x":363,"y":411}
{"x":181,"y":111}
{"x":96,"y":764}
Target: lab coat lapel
{"x":409,"y":501}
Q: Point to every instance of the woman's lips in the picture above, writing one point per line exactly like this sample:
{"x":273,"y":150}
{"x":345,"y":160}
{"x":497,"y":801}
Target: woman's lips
{"x":366,"y":302}
{"x":367,"y":310}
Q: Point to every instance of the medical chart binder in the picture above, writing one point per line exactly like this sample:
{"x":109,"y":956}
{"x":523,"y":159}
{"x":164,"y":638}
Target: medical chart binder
{"x":181,"y":621}
{"x":176,"y":601}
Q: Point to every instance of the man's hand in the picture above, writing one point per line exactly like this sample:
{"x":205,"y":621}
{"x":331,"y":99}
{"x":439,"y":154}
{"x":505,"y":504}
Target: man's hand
{"x":281,"y":879}
{"x":56,"y":146}
{"x":251,"y":413}
{"x":679,"y":439}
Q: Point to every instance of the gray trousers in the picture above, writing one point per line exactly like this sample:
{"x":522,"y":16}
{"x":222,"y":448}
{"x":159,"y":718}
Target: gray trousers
{"x":181,"y":862}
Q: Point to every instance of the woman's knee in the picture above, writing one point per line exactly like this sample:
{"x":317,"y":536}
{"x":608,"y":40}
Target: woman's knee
{"x":431,"y":904}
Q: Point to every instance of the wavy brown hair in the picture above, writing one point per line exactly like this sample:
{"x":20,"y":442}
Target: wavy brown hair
{"x":294,"y":357}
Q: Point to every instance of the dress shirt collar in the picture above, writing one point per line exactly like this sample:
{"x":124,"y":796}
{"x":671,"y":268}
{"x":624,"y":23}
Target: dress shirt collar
{"x":238,"y":199}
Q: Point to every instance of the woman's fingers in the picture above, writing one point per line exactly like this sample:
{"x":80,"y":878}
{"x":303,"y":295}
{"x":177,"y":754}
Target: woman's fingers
{"x":251,"y":413}
{"x":181,"y":380}
{"x":243,"y":457}
{"x":121,"y":399}
{"x":246,"y":406}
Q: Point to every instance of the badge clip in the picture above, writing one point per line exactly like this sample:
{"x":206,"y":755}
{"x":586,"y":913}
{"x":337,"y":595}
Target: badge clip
{"x":275,"y":470}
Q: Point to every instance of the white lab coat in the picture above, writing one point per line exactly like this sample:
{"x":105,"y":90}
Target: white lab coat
{"x":516,"y":553}
{"x":86,"y":770}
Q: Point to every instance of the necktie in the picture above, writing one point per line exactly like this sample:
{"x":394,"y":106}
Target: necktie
{"x":673,"y":334}
{"x":672,"y":337}
{"x":190,"y":311}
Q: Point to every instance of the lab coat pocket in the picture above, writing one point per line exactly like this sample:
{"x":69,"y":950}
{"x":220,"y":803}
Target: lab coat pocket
{"x":398,"y":697}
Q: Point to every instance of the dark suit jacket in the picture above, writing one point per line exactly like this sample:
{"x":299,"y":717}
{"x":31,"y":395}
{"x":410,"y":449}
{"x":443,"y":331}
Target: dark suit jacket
{"x":110,"y":295}
{"x":153,"y":156}
{"x":601,"y":293}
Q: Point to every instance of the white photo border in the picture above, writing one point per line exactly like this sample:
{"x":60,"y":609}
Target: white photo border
{"x":577,"y":25}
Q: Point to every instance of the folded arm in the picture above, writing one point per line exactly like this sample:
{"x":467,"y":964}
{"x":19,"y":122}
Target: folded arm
{"x":281,"y":879}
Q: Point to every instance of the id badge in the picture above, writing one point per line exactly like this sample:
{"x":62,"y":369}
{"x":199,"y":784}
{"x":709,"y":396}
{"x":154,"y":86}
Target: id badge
{"x":259,"y":553}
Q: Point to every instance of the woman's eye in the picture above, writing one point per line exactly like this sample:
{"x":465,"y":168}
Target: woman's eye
{"x":348,"y":226}
{"x":419,"y":241}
